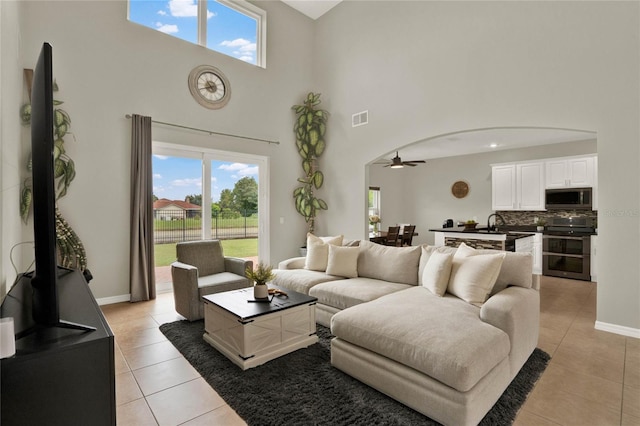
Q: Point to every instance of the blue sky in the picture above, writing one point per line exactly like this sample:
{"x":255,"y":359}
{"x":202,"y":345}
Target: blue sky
{"x":228,"y":31}
{"x":175,"y":177}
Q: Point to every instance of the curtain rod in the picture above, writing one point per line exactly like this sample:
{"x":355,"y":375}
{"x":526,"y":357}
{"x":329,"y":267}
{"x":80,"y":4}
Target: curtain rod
{"x":210,"y":132}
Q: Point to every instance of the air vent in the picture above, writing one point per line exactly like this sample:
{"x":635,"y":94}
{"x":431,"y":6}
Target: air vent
{"x":360,"y":119}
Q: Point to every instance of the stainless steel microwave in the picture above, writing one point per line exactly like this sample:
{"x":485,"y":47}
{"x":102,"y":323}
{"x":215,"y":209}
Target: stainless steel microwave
{"x":569,"y":198}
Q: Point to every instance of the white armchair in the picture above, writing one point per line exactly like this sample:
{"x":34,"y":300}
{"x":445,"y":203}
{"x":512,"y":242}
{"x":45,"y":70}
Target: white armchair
{"x":201,"y":268}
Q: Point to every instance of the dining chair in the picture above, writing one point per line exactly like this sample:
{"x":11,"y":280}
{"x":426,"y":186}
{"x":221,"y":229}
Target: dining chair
{"x":407,"y":235}
{"x":392,"y":236}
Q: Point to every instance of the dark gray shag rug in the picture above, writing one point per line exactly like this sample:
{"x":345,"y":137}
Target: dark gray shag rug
{"x":302,"y":388}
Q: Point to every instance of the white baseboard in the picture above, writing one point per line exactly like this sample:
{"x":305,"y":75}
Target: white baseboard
{"x":160,"y":288}
{"x":618,"y":329}
{"x":113,"y":299}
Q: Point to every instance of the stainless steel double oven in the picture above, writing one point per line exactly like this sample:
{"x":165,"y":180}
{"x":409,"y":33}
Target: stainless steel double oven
{"x":566,"y":248}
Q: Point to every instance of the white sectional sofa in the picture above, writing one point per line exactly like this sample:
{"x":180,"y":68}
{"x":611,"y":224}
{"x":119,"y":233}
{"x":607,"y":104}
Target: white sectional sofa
{"x":442,"y":330}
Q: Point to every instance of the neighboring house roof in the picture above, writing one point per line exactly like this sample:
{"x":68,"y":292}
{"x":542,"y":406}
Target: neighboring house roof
{"x":163,"y":203}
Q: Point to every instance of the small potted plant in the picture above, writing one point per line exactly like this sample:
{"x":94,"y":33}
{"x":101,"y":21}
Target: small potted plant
{"x":540,"y":224}
{"x":260,"y":276}
{"x":374,"y":220}
{"x":470,"y":224}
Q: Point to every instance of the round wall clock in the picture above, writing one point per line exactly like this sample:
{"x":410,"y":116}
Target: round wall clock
{"x":460,"y":189}
{"x":209,"y":86}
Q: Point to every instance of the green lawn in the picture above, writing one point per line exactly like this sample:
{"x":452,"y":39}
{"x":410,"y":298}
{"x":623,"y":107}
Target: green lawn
{"x":166,"y":253}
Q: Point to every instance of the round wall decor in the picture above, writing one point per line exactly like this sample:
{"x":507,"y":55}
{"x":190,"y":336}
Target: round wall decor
{"x":460,"y":189}
{"x":209,"y":86}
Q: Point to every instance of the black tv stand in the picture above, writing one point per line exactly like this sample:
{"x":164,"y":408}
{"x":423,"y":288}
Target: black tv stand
{"x":65,"y":371}
{"x":74,"y":326}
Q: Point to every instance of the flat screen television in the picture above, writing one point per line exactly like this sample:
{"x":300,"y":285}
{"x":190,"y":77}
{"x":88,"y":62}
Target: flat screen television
{"x":44,"y":281}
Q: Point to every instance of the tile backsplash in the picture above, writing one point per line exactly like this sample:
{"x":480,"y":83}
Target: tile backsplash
{"x":514,"y":218}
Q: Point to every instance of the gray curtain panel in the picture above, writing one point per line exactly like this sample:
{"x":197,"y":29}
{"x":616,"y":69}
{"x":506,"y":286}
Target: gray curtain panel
{"x":141,"y":269}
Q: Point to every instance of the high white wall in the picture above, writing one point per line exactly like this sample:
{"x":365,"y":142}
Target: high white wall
{"x":11,"y":229}
{"x":426,"y":200}
{"x":424,"y":69}
{"x":107,"y":67}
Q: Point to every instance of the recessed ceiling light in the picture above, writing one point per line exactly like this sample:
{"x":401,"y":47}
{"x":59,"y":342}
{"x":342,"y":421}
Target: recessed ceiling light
{"x":493,"y":145}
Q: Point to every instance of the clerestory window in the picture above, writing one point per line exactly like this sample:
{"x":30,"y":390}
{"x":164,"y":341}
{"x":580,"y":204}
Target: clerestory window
{"x":235,"y":28}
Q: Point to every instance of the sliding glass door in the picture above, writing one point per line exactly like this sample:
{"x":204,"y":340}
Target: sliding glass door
{"x":204,"y":194}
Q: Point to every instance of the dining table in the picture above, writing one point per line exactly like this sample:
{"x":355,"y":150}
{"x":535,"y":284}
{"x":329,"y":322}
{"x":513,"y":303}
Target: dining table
{"x":380,"y":237}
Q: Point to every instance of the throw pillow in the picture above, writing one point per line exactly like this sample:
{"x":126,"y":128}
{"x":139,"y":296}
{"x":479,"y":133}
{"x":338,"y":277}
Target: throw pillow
{"x":318,"y":251}
{"x":473,"y":277}
{"x":343,"y":261}
{"x":426,"y":253}
{"x":465,"y":251}
{"x":388,"y":263}
{"x":437,"y":271}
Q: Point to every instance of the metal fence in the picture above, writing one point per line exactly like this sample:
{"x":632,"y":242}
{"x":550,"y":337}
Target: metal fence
{"x":172,"y":226}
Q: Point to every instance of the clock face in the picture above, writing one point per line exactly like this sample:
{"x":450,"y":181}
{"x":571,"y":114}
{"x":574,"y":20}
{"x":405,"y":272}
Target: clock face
{"x":209,"y":87}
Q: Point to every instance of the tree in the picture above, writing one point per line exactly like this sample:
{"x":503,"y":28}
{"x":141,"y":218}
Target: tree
{"x":226,"y":200}
{"x":194,"y":199}
{"x":215,"y":209}
{"x":245,"y":195}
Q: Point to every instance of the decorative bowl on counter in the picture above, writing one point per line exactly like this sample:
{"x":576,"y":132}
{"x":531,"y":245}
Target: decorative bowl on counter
{"x":470,"y":225}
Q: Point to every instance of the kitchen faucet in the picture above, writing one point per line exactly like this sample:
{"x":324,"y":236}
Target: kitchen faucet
{"x":493,"y":227}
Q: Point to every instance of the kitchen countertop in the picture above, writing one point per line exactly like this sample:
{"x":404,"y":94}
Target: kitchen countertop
{"x":502,"y":233}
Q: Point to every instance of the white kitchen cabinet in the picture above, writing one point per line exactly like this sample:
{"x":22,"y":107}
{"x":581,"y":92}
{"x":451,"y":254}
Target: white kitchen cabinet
{"x":517,"y":186}
{"x":594,"y":270}
{"x":537,"y":253}
{"x":503,"y":187}
{"x":530,"y":186}
{"x":570,"y":172}
{"x":594,"y":202}
{"x":532,"y":245}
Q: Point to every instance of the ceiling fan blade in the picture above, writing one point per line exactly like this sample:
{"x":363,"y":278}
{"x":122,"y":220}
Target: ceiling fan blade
{"x":409,"y":164}
{"x":414,"y":162}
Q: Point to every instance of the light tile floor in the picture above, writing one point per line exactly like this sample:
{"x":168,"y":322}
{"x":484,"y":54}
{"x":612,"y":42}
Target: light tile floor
{"x":593,"y":377}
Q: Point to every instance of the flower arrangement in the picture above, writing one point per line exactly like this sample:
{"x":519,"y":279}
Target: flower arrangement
{"x":261,"y":274}
{"x":374,"y":218}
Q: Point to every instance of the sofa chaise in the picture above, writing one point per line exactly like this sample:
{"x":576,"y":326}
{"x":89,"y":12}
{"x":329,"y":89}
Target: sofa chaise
{"x":442,"y":330}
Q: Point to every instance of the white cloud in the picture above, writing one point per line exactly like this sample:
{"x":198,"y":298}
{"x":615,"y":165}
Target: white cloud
{"x":157,"y":176}
{"x":233,"y":167}
{"x":244,"y":49}
{"x":166,"y":28}
{"x":241,"y":43}
{"x":249,"y":171}
{"x":158,"y":190}
{"x":183,"y":8}
{"x":162,"y":13}
{"x":240,"y":169}
{"x":161,"y":157}
{"x":187,"y":182}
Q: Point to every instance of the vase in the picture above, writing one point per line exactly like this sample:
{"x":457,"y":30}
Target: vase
{"x":375,"y":228}
{"x":260,"y":291}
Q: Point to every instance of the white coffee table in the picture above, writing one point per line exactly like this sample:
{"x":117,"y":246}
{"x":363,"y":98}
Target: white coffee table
{"x":250,"y":333}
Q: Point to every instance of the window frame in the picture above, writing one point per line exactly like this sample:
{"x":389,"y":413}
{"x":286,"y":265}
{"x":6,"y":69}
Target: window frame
{"x":206,"y":155}
{"x":240,"y":6}
{"x":251,"y":10}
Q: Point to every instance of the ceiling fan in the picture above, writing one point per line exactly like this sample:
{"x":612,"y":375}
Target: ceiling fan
{"x":397,"y":163}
